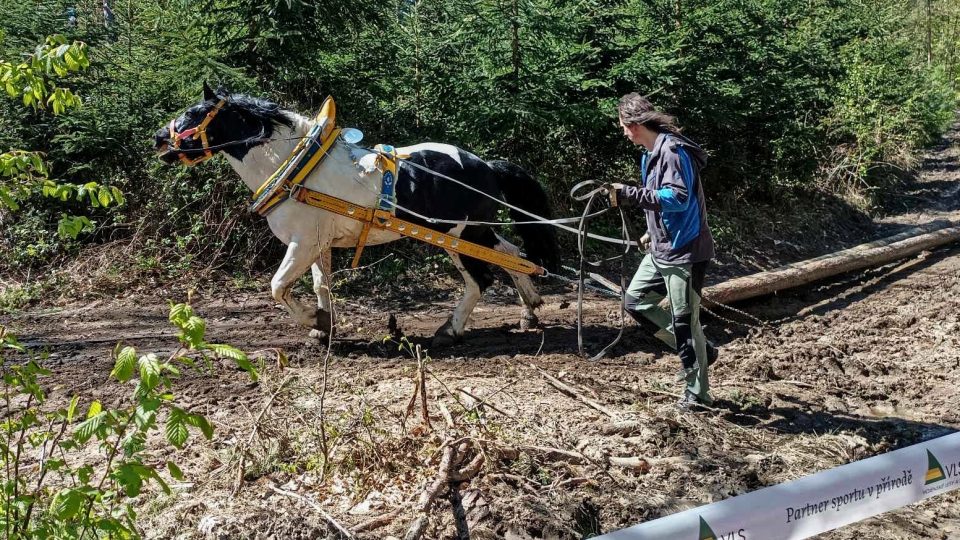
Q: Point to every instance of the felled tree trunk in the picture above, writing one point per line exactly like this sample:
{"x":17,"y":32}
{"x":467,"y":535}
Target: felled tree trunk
{"x":875,"y":253}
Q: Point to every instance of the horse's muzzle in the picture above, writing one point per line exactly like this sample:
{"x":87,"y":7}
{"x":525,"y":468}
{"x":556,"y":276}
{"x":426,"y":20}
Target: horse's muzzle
{"x":161,"y":146}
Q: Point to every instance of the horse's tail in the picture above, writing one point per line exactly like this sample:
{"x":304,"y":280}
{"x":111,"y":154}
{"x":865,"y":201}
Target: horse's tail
{"x":523,"y":191}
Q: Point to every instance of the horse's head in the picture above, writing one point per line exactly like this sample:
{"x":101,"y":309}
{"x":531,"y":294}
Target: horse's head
{"x":219,"y":122}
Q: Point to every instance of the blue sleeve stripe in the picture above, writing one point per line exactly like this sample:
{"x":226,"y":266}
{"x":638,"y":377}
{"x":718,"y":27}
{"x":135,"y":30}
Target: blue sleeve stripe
{"x":669,"y":201}
{"x":643,"y":170}
{"x":686,"y":170}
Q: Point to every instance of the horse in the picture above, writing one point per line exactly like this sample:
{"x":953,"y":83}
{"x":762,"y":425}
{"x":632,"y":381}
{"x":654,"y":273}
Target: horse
{"x":257,"y":135}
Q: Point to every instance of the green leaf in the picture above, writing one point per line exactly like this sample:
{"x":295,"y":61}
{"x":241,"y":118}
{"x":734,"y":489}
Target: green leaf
{"x":179,"y":313}
{"x":72,"y":409}
{"x":89,"y":427}
{"x":227,"y":351}
{"x":163,"y":484}
{"x":67,"y":503}
{"x":174,"y":471}
{"x":124,"y":366}
{"x":235,"y":354}
{"x":94,"y":409}
{"x":176,"y":428}
{"x":193,"y":331}
{"x":149,"y":371}
{"x":84,"y":474}
{"x":199,"y":421}
{"x":7,"y":200}
{"x":130,"y":476}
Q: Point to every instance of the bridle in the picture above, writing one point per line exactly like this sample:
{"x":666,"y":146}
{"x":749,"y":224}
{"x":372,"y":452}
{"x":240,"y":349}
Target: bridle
{"x":192,"y":133}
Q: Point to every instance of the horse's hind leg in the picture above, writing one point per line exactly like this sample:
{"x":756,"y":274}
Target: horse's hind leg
{"x":298,"y":259}
{"x":529,"y":296}
{"x":476,"y":278}
{"x":321,"y":286}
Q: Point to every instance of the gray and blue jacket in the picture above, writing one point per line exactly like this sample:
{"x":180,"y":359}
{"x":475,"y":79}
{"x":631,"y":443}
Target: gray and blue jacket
{"x":671,"y":196}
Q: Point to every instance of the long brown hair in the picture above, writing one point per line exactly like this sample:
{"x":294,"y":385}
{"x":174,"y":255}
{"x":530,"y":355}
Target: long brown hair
{"x":636,"y":109}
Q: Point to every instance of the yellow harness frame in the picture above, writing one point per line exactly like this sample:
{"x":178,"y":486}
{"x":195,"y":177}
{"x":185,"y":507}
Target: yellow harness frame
{"x":293,"y":188}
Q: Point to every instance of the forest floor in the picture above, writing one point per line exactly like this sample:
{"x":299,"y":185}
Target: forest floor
{"x":854,"y":367}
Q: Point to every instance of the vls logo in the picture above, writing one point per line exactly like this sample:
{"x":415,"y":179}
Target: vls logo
{"x":934,"y":470}
{"x":706,"y":533}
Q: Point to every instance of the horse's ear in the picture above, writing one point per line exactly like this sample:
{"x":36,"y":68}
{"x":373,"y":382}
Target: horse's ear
{"x":208,"y":93}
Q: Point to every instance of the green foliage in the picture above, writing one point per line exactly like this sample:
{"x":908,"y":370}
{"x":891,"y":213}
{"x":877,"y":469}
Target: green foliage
{"x":33,"y":79}
{"x":24,"y":174}
{"x":781,"y":93}
{"x":71,"y":494}
{"x":192,"y":332}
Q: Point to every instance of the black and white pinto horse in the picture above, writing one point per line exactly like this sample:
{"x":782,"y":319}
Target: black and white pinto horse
{"x":256,"y":136}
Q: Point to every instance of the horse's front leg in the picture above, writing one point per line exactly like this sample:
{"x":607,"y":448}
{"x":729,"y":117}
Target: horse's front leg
{"x":299,"y":257}
{"x":322,"y":283}
{"x":452,"y":330}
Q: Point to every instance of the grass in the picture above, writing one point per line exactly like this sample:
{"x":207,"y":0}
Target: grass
{"x":16,"y":296}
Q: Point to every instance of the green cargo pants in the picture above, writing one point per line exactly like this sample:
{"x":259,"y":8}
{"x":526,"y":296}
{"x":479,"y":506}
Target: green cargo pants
{"x":680,"y":327}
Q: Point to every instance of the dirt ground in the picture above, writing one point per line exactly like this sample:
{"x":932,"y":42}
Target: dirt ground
{"x":852,"y":367}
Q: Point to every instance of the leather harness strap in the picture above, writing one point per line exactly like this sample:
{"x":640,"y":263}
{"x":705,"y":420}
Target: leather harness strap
{"x":382,"y":219}
{"x":192,"y":133}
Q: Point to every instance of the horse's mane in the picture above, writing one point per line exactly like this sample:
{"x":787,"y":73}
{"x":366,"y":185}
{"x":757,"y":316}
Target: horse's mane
{"x":262,"y":109}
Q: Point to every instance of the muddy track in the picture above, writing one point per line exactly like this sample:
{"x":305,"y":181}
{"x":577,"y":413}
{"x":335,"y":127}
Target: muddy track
{"x":855,"y":366}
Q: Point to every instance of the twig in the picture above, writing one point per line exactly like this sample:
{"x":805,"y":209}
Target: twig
{"x":327,"y":517}
{"x":548,"y":452}
{"x":422,"y":378}
{"x":419,"y":524}
{"x":557,"y":454}
{"x":660,"y":392}
{"x":627,"y":427}
{"x":801,"y":384}
{"x":524,"y":483}
{"x":638,"y":464}
{"x":470,"y":470}
{"x":324,"y":443}
{"x":571,"y":482}
{"x":447,"y":417}
{"x":643,"y":465}
{"x":379,"y":521}
{"x":485,"y":403}
{"x":364,"y":267}
{"x":419,"y":389}
{"x":569,"y":391}
{"x":253,"y":433}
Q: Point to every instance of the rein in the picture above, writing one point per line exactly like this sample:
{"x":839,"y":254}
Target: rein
{"x":582,"y":235}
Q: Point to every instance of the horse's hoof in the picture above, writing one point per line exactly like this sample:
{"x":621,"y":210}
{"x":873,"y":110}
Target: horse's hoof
{"x":528,"y":322}
{"x":324,"y":321}
{"x":320,"y":335}
{"x":445,"y":340}
{"x":445,"y":336}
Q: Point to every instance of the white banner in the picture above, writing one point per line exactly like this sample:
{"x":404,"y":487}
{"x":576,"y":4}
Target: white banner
{"x":817,"y":503}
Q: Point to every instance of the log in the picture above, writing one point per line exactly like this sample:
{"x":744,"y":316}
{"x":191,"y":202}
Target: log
{"x":905,"y":244}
